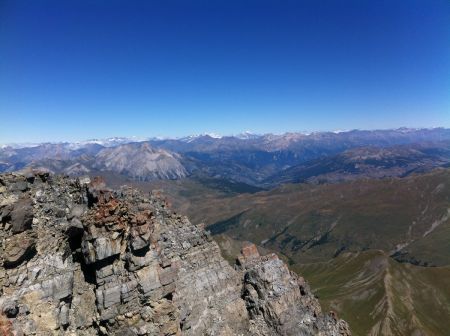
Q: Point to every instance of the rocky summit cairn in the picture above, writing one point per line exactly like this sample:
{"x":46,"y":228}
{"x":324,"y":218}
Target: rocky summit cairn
{"x":79,"y":259}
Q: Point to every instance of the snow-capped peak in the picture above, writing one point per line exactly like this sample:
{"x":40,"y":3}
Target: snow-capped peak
{"x":247,"y":135}
{"x":213,"y":135}
{"x":339,"y":131}
{"x":108,"y":142}
{"x":19,"y":145}
{"x":191,"y":138}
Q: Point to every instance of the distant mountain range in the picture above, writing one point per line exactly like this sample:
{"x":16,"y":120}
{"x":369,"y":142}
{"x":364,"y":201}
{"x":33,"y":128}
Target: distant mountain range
{"x":258,"y":160}
{"x":368,"y":162}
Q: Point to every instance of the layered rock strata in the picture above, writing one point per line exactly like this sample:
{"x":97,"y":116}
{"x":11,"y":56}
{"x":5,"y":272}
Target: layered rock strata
{"x":79,"y":259}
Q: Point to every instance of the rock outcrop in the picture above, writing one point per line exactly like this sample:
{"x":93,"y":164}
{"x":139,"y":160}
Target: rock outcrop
{"x":79,"y":259}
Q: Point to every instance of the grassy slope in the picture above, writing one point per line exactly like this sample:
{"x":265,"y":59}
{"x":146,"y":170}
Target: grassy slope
{"x":316,"y":222}
{"x":379,"y":296}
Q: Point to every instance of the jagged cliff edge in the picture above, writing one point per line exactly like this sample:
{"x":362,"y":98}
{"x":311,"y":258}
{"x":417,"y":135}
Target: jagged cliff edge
{"x":79,"y":259}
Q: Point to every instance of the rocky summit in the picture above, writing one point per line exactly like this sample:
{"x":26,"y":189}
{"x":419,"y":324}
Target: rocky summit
{"x":80,"y":259}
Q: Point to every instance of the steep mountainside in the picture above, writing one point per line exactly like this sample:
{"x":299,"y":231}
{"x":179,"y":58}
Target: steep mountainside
{"x":79,"y":259}
{"x":140,"y":161}
{"x":136,"y":161}
{"x":379,"y":296}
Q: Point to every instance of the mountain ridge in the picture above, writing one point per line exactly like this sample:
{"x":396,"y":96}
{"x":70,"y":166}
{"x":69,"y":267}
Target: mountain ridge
{"x":115,"y":140}
{"x":249,"y":159}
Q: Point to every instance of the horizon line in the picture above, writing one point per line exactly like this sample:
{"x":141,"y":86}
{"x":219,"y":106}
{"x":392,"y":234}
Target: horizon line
{"x":26,"y":144}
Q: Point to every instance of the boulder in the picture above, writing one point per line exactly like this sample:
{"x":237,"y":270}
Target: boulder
{"x":10,"y":308}
{"x":19,"y":186}
{"x":18,"y":248}
{"x":77,"y":211}
{"x":22,"y":215}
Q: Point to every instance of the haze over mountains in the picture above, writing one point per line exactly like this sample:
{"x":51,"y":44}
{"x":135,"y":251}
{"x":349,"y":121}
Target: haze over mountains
{"x":254,"y":159}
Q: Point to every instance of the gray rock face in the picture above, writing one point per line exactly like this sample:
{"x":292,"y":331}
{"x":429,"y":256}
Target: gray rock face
{"x":101,"y":262}
{"x":279,"y":299}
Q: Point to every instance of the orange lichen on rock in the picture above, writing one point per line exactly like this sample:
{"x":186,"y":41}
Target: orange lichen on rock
{"x":5,"y":326}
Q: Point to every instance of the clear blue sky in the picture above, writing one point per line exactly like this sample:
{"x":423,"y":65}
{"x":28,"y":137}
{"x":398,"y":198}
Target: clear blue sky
{"x":90,"y":69}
